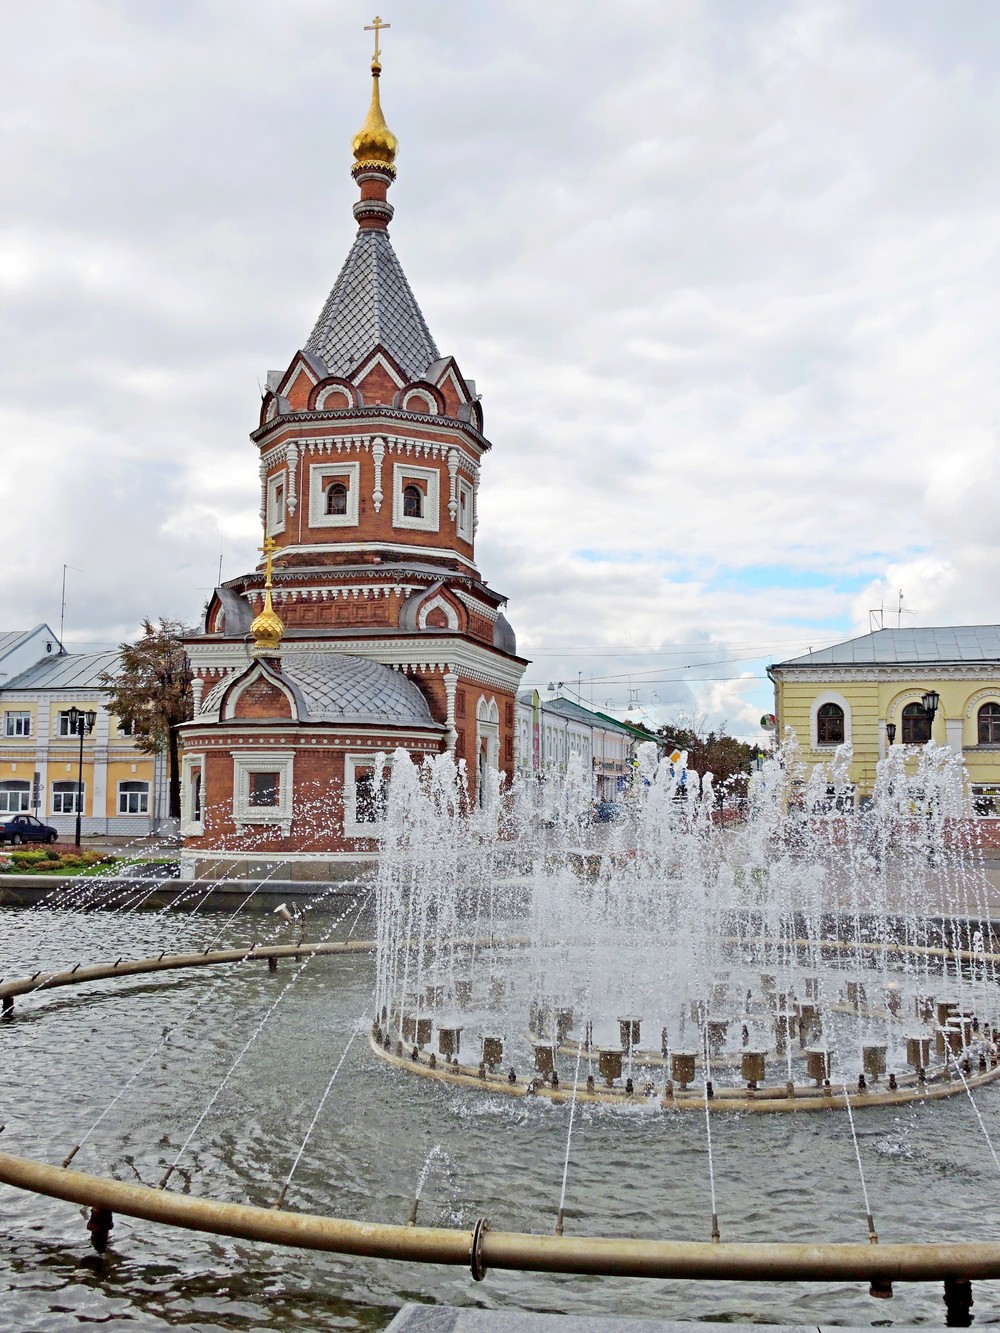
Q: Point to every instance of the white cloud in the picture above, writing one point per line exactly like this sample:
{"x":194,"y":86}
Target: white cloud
{"x":724,"y":274}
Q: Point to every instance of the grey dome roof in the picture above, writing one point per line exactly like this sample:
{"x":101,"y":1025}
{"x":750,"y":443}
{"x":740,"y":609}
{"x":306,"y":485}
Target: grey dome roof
{"x":335,"y":687}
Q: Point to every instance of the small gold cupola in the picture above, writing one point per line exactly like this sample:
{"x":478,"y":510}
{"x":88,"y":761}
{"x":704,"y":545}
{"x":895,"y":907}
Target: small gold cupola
{"x":267,"y":628}
{"x":375,"y":145}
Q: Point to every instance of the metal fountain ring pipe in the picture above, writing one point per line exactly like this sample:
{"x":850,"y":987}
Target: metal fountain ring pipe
{"x":594,"y":1255}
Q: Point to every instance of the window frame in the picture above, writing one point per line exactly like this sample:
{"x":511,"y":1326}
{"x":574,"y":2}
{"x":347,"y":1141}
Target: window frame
{"x":321,"y":476}
{"x":277,"y":501}
{"x":914,"y":712}
{"x":427,"y":479}
{"x":12,"y":716}
{"x":76,"y":790}
{"x":992,"y":720}
{"x":362,"y":828}
{"x":128,"y":788}
{"x":821,"y":724}
{"x":246,"y":762}
{"x":11,"y":787}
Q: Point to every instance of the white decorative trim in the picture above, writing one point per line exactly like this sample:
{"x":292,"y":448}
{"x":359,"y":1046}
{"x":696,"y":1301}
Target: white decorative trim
{"x":828,"y":697}
{"x":375,"y":548}
{"x":452,"y":483}
{"x":324,"y":396}
{"x":989,"y":695}
{"x":320,"y":476}
{"x":466,"y":506}
{"x":366,"y":368}
{"x":450,"y":686}
{"x":440,"y":603}
{"x":262,"y":473}
{"x":426,"y":398}
{"x":190,"y":827}
{"x":246,"y":762}
{"x":378,"y":454}
{"x":352,"y":762}
{"x":277,"y":496}
{"x":490,"y":613}
{"x":407,"y":473}
{"x":228,"y":712}
{"x":292,"y":460}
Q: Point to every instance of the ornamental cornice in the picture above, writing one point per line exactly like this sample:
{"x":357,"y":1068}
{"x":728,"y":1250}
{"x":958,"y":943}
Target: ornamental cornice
{"x":876,"y":675}
{"x":377,"y":412}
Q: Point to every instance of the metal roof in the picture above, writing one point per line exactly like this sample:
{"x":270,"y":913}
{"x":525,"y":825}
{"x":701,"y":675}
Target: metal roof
{"x":335,"y":687}
{"x":567,"y":708}
{"x":66,"y":671}
{"x":949,"y":644}
{"x":371,"y":304}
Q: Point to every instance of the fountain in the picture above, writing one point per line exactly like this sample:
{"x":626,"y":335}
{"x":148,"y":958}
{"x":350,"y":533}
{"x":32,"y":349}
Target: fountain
{"x":763,"y":964}
{"x":792,"y":955}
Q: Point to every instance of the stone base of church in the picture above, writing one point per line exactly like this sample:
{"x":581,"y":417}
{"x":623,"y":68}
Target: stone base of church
{"x":304,"y":867}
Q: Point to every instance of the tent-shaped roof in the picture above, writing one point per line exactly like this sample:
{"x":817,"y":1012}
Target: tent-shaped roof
{"x":371,"y":305}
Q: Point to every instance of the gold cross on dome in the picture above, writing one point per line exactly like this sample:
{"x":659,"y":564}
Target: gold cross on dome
{"x":267,"y":550}
{"x":376,"y":26}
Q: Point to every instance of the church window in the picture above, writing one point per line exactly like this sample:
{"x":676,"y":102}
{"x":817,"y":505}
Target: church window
{"x":367,"y":796}
{"x":17,"y":723}
{"x":830,"y":725}
{"x":14,"y":796}
{"x":264,"y":789}
{"x":67,"y":798}
{"x":916,"y":725}
{"x":989,"y":724}
{"x":276,"y":503}
{"x":465,"y":510}
{"x":416,"y":497}
{"x":133,"y":798}
{"x":333,"y":494}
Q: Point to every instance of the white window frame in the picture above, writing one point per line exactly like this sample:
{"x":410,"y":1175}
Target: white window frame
{"x":366,"y":829}
{"x":15,"y":716}
{"x":403,"y":474}
{"x":276,"y":512}
{"x":828,"y":697}
{"x":133,"y":787}
{"x":465,"y":520}
{"x":78,"y":801}
{"x":15,"y":787}
{"x":320,"y":476}
{"x":191,"y":827}
{"x":246,"y":762}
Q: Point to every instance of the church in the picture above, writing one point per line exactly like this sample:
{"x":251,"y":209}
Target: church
{"x":367,"y":625}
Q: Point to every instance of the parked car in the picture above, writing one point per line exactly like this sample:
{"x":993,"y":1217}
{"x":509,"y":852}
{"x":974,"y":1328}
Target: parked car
{"x":606,"y":812}
{"x":25,"y":828}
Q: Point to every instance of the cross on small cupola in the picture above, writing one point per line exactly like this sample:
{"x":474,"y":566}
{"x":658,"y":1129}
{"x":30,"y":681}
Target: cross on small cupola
{"x":376,"y":27}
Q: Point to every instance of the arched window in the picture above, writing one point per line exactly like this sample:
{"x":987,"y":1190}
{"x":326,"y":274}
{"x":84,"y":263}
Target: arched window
{"x":830,"y":725}
{"x":413,"y":502}
{"x":336,"y":498}
{"x":989,"y":724}
{"x":916,"y":725}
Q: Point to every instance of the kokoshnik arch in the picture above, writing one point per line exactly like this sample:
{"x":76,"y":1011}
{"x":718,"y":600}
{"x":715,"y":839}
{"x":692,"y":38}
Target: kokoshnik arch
{"x":367,"y":626}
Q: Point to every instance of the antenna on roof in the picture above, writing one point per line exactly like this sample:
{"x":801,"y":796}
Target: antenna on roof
{"x":876,"y":618}
{"x":62,"y":605}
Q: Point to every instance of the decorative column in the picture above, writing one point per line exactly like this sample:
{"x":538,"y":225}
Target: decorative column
{"x":450,"y":685}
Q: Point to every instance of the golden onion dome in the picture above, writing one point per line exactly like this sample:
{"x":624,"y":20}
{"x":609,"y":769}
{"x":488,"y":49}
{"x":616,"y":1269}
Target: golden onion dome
{"x":375,"y":145}
{"x":268,"y":627}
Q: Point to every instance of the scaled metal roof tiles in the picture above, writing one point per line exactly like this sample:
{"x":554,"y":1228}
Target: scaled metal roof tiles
{"x":901,"y":647}
{"x":371,"y":304}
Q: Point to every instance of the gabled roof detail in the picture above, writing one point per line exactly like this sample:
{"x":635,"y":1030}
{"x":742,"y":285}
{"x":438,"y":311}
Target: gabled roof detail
{"x":371,"y":305}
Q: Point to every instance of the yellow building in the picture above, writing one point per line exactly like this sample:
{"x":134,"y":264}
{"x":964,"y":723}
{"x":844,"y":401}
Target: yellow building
{"x":899,"y":687}
{"x":118,"y":790}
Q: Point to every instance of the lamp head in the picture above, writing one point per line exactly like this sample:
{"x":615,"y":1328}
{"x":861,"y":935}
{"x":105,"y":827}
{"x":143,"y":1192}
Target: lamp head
{"x":930,"y":702}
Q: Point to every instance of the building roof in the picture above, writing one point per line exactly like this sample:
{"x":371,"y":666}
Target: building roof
{"x":371,"y":305}
{"x":66,"y":671}
{"x":567,"y":708}
{"x":335,"y":687}
{"x":942,"y":645}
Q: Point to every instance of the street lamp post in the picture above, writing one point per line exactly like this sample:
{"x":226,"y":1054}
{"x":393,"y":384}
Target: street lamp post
{"x":80,"y":724}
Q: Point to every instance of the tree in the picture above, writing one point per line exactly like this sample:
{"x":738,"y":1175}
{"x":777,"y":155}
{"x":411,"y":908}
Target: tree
{"x":715,"y":752}
{"x":151,"y":694}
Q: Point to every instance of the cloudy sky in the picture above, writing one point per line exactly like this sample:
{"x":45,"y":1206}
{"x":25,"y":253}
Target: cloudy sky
{"x":725,"y":272}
